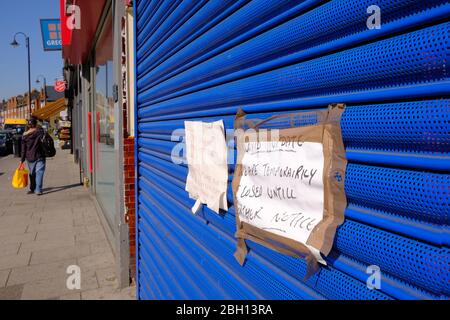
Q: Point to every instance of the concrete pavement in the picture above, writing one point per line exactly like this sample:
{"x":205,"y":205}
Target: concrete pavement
{"x":40,"y":237}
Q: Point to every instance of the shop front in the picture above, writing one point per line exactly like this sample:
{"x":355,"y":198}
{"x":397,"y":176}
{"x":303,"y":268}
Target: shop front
{"x":93,"y":72}
{"x":215,"y":66}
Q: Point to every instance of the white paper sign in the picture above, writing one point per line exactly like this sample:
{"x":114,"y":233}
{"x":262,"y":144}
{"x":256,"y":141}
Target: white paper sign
{"x":206,"y":154}
{"x":281,"y":189}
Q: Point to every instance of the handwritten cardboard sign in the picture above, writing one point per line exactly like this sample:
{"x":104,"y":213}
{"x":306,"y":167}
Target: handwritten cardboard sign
{"x":281,"y":188}
{"x":286,"y":193}
{"x":206,"y":154}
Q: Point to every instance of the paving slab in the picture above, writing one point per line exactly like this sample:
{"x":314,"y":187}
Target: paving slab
{"x":54,"y":288}
{"x":85,"y":221}
{"x":17,"y":212}
{"x":88,"y":238}
{"x":18,"y":220}
{"x":12,"y":231}
{"x":53,"y":213}
{"x":100,"y":247}
{"x":48,"y":244}
{"x":50,"y":226}
{"x":55,"y":234}
{"x":71,"y":296}
{"x":57,"y":218}
{"x":18,"y":238}
{"x":108,"y":294}
{"x":22,"y":275}
{"x":4,"y":274}
{"x":9,"y":249}
{"x":60,"y":254}
{"x":11,"y":293}
{"x":97,"y":261}
{"x":16,"y":260}
{"x":107,"y":277}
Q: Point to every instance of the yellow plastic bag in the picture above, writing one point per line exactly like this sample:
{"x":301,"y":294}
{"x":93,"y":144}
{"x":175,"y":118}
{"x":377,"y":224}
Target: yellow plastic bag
{"x":20,"y":178}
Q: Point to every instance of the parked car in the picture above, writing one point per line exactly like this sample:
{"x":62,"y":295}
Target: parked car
{"x":18,"y":125}
{"x":6,"y":142}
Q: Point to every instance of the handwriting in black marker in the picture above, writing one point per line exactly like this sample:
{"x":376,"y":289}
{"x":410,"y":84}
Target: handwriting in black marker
{"x":282,"y":193}
{"x":249,"y":213}
{"x":291,"y":142}
{"x":250,"y":170}
{"x":299,"y":173}
{"x":251,"y":192}
{"x":295,"y":220}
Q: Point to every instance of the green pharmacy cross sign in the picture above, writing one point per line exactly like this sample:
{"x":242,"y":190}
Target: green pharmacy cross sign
{"x":51,"y":34}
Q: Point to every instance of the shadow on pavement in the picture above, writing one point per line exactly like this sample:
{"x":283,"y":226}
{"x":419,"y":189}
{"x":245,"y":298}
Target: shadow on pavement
{"x":59,"y":189}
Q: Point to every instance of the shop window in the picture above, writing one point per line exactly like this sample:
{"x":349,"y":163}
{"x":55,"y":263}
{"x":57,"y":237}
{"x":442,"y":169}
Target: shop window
{"x":105,"y":151}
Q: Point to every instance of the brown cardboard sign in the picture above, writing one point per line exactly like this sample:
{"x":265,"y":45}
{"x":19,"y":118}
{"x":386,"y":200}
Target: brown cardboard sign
{"x":288,"y":184}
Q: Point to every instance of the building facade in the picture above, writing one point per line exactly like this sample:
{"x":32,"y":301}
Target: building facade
{"x":97,"y":74}
{"x":207,"y":60}
{"x":17,"y":107}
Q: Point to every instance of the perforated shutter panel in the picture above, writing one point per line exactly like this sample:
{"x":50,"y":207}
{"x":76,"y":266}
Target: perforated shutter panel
{"x":202,"y":60}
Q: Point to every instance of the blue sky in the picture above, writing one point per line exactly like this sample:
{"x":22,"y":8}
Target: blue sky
{"x":24,"y":16}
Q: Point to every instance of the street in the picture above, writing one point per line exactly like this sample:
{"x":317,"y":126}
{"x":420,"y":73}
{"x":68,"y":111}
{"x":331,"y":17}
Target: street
{"x":234,"y":152}
{"x":40,"y":237}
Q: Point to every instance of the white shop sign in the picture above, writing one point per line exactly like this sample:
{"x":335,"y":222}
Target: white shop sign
{"x":206,"y":154}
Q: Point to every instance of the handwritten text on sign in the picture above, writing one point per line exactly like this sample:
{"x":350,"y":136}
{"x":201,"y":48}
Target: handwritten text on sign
{"x":281,"y":188}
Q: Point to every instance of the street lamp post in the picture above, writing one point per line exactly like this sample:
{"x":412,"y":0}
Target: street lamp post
{"x":45,"y":86}
{"x":15,"y":44}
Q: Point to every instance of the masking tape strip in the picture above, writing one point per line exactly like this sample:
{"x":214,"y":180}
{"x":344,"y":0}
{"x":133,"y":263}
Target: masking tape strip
{"x":196,"y":206}
{"x":317,"y":255}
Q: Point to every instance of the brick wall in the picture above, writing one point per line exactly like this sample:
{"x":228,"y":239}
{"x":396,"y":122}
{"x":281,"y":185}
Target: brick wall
{"x":129,"y":168}
{"x":130,"y":202}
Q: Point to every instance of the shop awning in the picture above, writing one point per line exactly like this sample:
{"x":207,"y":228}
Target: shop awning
{"x":77,"y":43}
{"x":50,"y":109}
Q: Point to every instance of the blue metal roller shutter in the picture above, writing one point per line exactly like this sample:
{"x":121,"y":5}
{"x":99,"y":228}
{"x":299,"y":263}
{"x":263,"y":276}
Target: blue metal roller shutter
{"x":202,"y":60}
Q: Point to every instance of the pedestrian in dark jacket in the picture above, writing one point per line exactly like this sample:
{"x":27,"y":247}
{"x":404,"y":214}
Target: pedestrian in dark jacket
{"x":32,"y":151}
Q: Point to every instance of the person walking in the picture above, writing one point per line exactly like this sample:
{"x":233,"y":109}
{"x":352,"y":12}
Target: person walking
{"x":33,"y":152}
